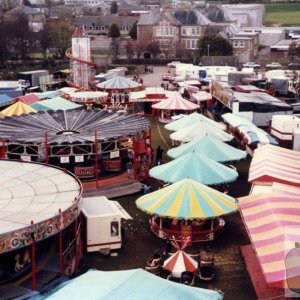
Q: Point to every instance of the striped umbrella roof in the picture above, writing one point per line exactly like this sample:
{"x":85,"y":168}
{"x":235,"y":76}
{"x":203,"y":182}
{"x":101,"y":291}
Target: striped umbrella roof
{"x":236,"y":121}
{"x":210,"y":147}
{"x":56,"y":103}
{"x":273,"y":223}
{"x":187,"y":199}
{"x":200,"y":129}
{"x":176,"y":102}
{"x":118,"y":83}
{"x":17,"y":109}
{"x":180,"y":262}
{"x":191,"y":119}
{"x":195,"y":166}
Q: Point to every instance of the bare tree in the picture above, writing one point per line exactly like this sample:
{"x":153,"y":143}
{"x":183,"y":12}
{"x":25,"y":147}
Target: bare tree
{"x":140,"y":47}
{"x":154,"y":48}
{"x":6,"y":5}
{"x":130,"y":49}
{"x":114,"y":47}
{"x":3,"y":41}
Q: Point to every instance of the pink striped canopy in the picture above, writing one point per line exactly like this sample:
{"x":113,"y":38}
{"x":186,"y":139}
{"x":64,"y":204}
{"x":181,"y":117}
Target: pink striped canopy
{"x":275,"y":164}
{"x":273,"y":224}
{"x":176,"y":102}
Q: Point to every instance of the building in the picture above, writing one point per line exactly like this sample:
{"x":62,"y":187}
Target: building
{"x":97,"y":25}
{"x":246,"y":14}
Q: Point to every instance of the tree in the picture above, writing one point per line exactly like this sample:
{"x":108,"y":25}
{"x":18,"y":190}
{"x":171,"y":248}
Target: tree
{"x":154,"y":48}
{"x":6,"y":5}
{"x":214,"y":45}
{"x":61,"y":34}
{"x":114,"y":7}
{"x":115,"y":48}
{"x":133,"y":31}
{"x":294,"y":50}
{"x":114,"y":31}
{"x":129,"y":47}
{"x":3,"y":41}
{"x":46,"y":38}
{"x":140,"y":47}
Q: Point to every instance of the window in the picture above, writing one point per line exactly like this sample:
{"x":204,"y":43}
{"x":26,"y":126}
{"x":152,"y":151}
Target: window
{"x":114,"y":228}
{"x":242,"y":44}
{"x":183,"y":31}
{"x":193,"y":31}
{"x":235,"y":44}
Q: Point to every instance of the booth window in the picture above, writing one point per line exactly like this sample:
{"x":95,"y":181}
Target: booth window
{"x":114,"y":228}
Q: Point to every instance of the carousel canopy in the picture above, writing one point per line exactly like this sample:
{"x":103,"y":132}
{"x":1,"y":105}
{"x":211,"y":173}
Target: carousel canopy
{"x":209,"y":147}
{"x":28,"y":99}
{"x":187,"y":199}
{"x":55,"y":103}
{"x":273,"y":225}
{"x":196,"y":167}
{"x":180,"y":262}
{"x":118,"y":83}
{"x":176,"y":102}
{"x":201,"y":96}
{"x":191,"y":119}
{"x":48,"y":94}
{"x":198,"y":130}
{"x":6,"y":100}
{"x":128,"y":285}
{"x":70,"y":126}
{"x":17,"y":109}
{"x":87,"y":96}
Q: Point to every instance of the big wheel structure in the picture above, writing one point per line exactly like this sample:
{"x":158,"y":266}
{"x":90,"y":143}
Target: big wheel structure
{"x":82,"y":68}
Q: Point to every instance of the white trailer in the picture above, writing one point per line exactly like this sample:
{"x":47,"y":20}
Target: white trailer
{"x":103,"y":223}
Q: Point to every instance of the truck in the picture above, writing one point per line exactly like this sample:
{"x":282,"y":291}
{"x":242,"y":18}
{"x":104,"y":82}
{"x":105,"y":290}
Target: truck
{"x":284,"y":86}
{"x":102,"y":224}
{"x":32,"y":77}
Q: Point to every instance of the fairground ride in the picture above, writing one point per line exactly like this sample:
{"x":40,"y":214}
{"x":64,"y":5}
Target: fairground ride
{"x":83,"y":69}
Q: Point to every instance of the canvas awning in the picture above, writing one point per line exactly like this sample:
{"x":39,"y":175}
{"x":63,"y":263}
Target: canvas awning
{"x":236,"y":121}
{"x":201,"y":96}
{"x":191,"y":119}
{"x":6,"y":100}
{"x":210,"y":147}
{"x":28,"y":99}
{"x":195,"y":166}
{"x":128,"y":285}
{"x":55,"y":103}
{"x":273,"y":225}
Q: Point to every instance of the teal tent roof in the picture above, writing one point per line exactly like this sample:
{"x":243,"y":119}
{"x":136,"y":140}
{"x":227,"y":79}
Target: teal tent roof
{"x":129,"y":285}
{"x":195,"y":166}
{"x":210,"y":147}
{"x":199,"y":129}
{"x":56,"y":103}
{"x":191,"y":120}
{"x":187,"y":199}
{"x":235,"y":120}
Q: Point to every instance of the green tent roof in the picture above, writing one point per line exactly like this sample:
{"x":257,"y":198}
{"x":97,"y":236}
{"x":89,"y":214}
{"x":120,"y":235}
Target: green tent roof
{"x":56,"y":103}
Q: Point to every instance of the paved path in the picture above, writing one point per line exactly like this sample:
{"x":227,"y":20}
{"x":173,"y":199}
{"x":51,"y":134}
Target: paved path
{"x":155,"y":79}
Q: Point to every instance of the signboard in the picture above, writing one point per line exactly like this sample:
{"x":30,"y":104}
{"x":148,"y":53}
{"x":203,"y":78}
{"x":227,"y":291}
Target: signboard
{"x":79,"y":158}
{"x":222,"y":93}
{"x":64,"y":159}
{"x":84,"y":171}
{"x":25,"y":157}
{"x":114,"y":154}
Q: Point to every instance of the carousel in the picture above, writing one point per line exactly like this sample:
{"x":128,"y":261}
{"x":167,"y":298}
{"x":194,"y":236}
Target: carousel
{"x":187,"y":211}
{"x":39,"y":217}
{"x":89,"y":143}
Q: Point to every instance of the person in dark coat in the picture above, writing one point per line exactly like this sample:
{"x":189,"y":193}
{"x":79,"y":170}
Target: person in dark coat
{"x":159,"y":155}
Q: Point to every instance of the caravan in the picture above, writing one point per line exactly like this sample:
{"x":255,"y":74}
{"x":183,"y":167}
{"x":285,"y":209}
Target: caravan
{"x":103,"y":223}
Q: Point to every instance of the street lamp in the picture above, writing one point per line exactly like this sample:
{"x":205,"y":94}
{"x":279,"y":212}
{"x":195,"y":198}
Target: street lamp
{"x":207,"y":49}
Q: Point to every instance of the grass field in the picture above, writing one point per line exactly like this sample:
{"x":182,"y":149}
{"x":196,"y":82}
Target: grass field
{"x":283,"y":14}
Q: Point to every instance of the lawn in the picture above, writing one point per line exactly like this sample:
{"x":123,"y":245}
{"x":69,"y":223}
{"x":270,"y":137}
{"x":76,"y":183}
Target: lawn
{"x":283,"y":14}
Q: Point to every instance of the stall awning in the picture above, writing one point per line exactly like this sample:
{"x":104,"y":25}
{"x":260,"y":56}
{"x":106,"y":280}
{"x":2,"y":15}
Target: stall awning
{"x":54,"y":104}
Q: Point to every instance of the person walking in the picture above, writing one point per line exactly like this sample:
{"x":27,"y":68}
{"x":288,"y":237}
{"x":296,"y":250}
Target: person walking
{"x":129,"y":167}
{"x":159,"y":155}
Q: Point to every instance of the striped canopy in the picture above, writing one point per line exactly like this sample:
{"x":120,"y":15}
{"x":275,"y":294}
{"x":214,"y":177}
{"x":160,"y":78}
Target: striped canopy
{"x":180,"y":262}
{"x":17,"y":109}
{"x":210,"y":147}
{"x":273,"y":225}
{"x":196,"y":167}
{"x":56,"y":103}
{"x":236,"y":121}
{"x":187,"y":199}
{"x":191,"y":119}
{"x":198,"y":130}
{"x":275,"y":164}
{"x":118,"y":83}
{"x":175,"y":102}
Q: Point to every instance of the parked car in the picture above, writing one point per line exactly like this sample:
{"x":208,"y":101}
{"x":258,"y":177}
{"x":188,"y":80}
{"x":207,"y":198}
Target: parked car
{"x":293,"y":66}
{"x":173,"y":64}
{"x":168,"y":77}
{"x":251,"y":64}
{"x":274,"y":65}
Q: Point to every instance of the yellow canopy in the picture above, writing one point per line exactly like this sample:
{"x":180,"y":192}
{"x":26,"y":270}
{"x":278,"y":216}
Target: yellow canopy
{"x":17,"y":109}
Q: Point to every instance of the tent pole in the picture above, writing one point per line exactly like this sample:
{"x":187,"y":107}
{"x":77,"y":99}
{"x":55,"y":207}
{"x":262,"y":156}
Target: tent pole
{"x":75,"y":231}
{"x":212,"y":228}
{"x":134,"y":158}
{"x":46,"y":149}
{"x":96,"y":159}
{"x":60,"y":237}
{"x":33,"y":265}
